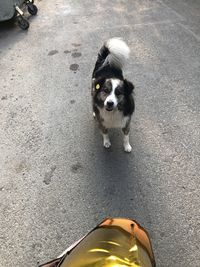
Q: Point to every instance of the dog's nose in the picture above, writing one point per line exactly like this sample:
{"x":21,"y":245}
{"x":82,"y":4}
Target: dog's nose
{"x":110,"y":104}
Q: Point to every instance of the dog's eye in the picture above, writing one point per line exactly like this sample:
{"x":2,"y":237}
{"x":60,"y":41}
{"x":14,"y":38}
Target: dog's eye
{"x":118,"y":91}
{"x":106,"y":90}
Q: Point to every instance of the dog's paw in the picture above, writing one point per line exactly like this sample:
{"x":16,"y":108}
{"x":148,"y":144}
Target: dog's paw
{"x":107,"y":143}
{"x":127,"y":148}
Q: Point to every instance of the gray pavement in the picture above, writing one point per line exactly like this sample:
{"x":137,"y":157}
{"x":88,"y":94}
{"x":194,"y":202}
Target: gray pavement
{"x":56,"y":180}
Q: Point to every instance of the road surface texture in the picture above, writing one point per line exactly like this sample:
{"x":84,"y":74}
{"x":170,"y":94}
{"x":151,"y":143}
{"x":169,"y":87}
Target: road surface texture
{"x":57,"y":181}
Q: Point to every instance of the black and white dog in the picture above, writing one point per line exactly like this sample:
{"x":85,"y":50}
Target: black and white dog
{"x":113,"y":102}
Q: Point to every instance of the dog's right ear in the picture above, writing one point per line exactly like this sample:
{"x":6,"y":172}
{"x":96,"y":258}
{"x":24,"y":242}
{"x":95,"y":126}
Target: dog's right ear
{"x":129,"y":87}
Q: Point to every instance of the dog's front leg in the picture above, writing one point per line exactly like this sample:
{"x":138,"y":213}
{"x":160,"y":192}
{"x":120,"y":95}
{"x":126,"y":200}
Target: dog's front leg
{"x":127,"y":146}
{"x":106,"y":140}
{"x":104,"y":130}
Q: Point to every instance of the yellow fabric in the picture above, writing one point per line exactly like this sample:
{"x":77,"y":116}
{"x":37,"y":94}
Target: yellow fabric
{"x":114,"y":243}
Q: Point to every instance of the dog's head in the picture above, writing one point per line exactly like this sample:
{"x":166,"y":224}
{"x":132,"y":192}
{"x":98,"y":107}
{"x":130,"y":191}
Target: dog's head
{"x":111,"y":93}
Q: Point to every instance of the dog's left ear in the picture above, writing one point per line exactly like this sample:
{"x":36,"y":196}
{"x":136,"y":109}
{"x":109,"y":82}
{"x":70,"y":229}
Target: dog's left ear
{"x":128,"y":87}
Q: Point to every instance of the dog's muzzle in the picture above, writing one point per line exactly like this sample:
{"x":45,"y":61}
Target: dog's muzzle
{"x":109,"y":105}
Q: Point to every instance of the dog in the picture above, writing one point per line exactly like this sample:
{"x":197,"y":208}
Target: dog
{"x":112,"y":95}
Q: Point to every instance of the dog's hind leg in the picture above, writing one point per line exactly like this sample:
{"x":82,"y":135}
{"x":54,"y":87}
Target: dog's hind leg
{"x":126,"y":130}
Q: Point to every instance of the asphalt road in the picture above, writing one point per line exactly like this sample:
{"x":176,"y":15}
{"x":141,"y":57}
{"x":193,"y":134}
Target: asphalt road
{"x":56,"y":179}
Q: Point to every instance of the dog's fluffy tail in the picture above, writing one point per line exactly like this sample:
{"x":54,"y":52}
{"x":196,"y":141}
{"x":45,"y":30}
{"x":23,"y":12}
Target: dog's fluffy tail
{"x":118,"y":52}
{"x":114,"y":52}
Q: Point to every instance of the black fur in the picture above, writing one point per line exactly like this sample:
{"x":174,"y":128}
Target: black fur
{"x":105,"y":71}
{"x":129,"y":105}
{"x":102,"y":71}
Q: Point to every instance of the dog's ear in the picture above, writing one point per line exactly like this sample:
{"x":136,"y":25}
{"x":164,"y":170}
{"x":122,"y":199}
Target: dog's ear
{"x":128,"y":86}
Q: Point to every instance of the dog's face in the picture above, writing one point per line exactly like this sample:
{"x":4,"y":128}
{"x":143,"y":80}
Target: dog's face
{"x":111,"y":93}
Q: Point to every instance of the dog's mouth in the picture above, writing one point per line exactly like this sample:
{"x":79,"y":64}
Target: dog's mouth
{"x":109,"y":108}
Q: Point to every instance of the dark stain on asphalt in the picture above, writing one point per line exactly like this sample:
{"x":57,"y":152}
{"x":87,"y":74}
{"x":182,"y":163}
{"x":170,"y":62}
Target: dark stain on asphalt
{"x":49,"y":175}
{"x":74,"y":67}
{"x":52,"y":52}
{"x":13,"y":114}
{"x":72,"y":101}
{"x":5,"y":97}
{"x":76,"y":45}
{"x":21,"y":166}
{"x":76,"y":167}
{"x":67,"y":51}
{"x":76,"y":54}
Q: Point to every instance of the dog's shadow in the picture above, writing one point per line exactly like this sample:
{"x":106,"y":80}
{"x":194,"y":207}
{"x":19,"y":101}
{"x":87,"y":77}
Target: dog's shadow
{"x":116,"y":184}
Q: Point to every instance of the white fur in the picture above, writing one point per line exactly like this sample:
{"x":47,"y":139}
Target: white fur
{"x":113,"y":119}
{"x":127,"y":146}
{"x":119,"y":52}
{"x":106,"y":141}
{"x":112,"y":97}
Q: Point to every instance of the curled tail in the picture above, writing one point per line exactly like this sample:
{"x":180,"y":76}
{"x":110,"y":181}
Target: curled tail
{"x":118,"y":52}
{"x":114,"y":52}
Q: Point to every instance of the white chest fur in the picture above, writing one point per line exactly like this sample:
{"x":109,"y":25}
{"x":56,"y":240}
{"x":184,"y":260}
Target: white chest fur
{"x":113,"y":119}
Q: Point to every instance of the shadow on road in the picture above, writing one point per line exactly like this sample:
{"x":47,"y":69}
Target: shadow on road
{"x":117,"y":180}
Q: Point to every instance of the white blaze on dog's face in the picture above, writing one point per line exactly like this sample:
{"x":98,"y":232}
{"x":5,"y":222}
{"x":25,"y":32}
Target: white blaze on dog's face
{"x":112,"y":100}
